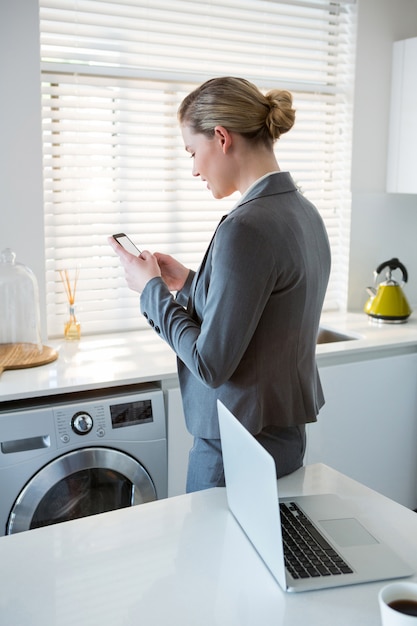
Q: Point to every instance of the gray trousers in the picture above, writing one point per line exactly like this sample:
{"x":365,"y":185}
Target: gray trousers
{"x":205,"y":463}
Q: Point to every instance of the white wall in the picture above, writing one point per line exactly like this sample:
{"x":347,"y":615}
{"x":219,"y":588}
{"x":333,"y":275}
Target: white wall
{"x":383,"y":225}
{"x":21,"y":199}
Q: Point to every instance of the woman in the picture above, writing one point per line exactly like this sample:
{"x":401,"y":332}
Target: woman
{"x":243,"y":326}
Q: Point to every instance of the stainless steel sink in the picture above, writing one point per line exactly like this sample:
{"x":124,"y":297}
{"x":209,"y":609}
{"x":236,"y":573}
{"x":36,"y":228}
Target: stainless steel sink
{"x":328,"y":335}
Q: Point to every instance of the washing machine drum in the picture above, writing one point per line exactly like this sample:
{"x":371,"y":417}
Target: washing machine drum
{"x":84,"y":482}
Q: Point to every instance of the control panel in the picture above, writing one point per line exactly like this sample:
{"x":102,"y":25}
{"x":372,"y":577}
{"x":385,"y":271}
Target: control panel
{"x":139,"y":417}
{"x":72,"y":421}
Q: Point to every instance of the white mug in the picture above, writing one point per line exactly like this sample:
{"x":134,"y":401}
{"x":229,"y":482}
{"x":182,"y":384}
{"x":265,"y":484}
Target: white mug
{"x":390,"y":616}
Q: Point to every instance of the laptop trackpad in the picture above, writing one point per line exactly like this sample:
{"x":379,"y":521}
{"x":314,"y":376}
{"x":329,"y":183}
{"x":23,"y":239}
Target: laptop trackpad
{"x":348,"y":532}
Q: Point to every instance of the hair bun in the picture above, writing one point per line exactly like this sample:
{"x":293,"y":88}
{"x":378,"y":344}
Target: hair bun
{"x":281,"y":115}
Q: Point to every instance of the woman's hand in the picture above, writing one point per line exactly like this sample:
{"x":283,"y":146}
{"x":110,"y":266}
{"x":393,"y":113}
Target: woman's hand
{"x":173,"y":273}
{"x":139,"y":270}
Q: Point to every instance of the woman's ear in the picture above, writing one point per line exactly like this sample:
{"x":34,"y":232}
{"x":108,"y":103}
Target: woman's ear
{"x":224,"y":138}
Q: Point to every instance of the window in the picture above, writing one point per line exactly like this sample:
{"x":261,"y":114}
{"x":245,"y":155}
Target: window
{"x":113,"y":75}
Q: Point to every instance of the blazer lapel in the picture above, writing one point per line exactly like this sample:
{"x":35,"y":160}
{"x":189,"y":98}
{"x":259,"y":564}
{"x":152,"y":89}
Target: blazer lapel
{"x":190,"y":305}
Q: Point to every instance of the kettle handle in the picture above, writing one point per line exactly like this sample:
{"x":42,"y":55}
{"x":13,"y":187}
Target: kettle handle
{"x":393,"y":264}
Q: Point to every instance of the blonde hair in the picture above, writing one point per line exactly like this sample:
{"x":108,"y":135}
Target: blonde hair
{"x":239,"y":106}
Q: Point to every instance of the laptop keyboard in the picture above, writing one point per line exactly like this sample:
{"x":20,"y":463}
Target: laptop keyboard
{"x":307,"y":554}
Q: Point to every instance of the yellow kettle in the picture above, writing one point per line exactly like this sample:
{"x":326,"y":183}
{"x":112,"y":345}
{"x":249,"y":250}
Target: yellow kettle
{"x":387,"y":302}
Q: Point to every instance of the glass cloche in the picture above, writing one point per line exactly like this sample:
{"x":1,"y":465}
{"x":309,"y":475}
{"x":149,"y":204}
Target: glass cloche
{"x":19,"y":303}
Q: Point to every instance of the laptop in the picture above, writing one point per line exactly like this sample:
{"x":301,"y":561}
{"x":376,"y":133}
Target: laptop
{"x":341,"y":550}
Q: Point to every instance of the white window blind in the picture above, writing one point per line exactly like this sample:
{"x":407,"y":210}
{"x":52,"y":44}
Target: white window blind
{"x":113,"y":75}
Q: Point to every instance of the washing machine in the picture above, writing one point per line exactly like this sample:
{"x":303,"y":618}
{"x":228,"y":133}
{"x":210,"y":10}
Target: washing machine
{"x":80,"y":454}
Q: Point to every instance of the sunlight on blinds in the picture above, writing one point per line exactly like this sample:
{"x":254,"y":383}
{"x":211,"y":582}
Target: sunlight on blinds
{"x":113,"y":75}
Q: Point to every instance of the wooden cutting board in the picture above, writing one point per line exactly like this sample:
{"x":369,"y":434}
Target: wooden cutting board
{"x":15,"y":356}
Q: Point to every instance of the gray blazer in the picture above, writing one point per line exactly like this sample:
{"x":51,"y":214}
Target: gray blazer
{"x":244,"y":326}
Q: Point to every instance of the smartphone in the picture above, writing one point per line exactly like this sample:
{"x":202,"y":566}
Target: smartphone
{"x":126,"y":243}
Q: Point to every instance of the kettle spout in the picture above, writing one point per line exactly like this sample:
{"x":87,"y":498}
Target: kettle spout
{"x":371,"y":291}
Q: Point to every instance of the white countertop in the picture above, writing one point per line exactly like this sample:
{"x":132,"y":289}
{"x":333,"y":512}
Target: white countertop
{"x":97,"y":362}
{"x":94,"y":362}
{"x":184,"y":561}
{"x":370,"y":338}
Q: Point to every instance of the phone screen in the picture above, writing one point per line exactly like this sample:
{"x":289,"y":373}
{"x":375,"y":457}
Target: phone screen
{"x":126,"y":243}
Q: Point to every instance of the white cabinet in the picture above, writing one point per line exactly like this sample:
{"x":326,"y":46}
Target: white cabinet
{"x":368,"y":427}
{"x":402,"y":140}
{"x":179,"y":443}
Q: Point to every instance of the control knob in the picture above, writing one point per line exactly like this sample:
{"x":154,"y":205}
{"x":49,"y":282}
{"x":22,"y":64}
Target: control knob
{"x":82,"y":423}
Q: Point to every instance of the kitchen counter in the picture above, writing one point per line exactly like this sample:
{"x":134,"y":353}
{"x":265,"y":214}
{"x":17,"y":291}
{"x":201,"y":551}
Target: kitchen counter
{"x":98,"y":362}
{"x":369,"y":339}
{"x":183,"y":560}
{"x":94,"y":362}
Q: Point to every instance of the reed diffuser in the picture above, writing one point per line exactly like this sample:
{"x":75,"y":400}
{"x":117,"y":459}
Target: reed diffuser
{"x":72,"y":328}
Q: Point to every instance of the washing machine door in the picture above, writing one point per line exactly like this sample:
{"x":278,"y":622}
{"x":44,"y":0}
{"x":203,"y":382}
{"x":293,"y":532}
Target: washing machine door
{"x":80,"y":483}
